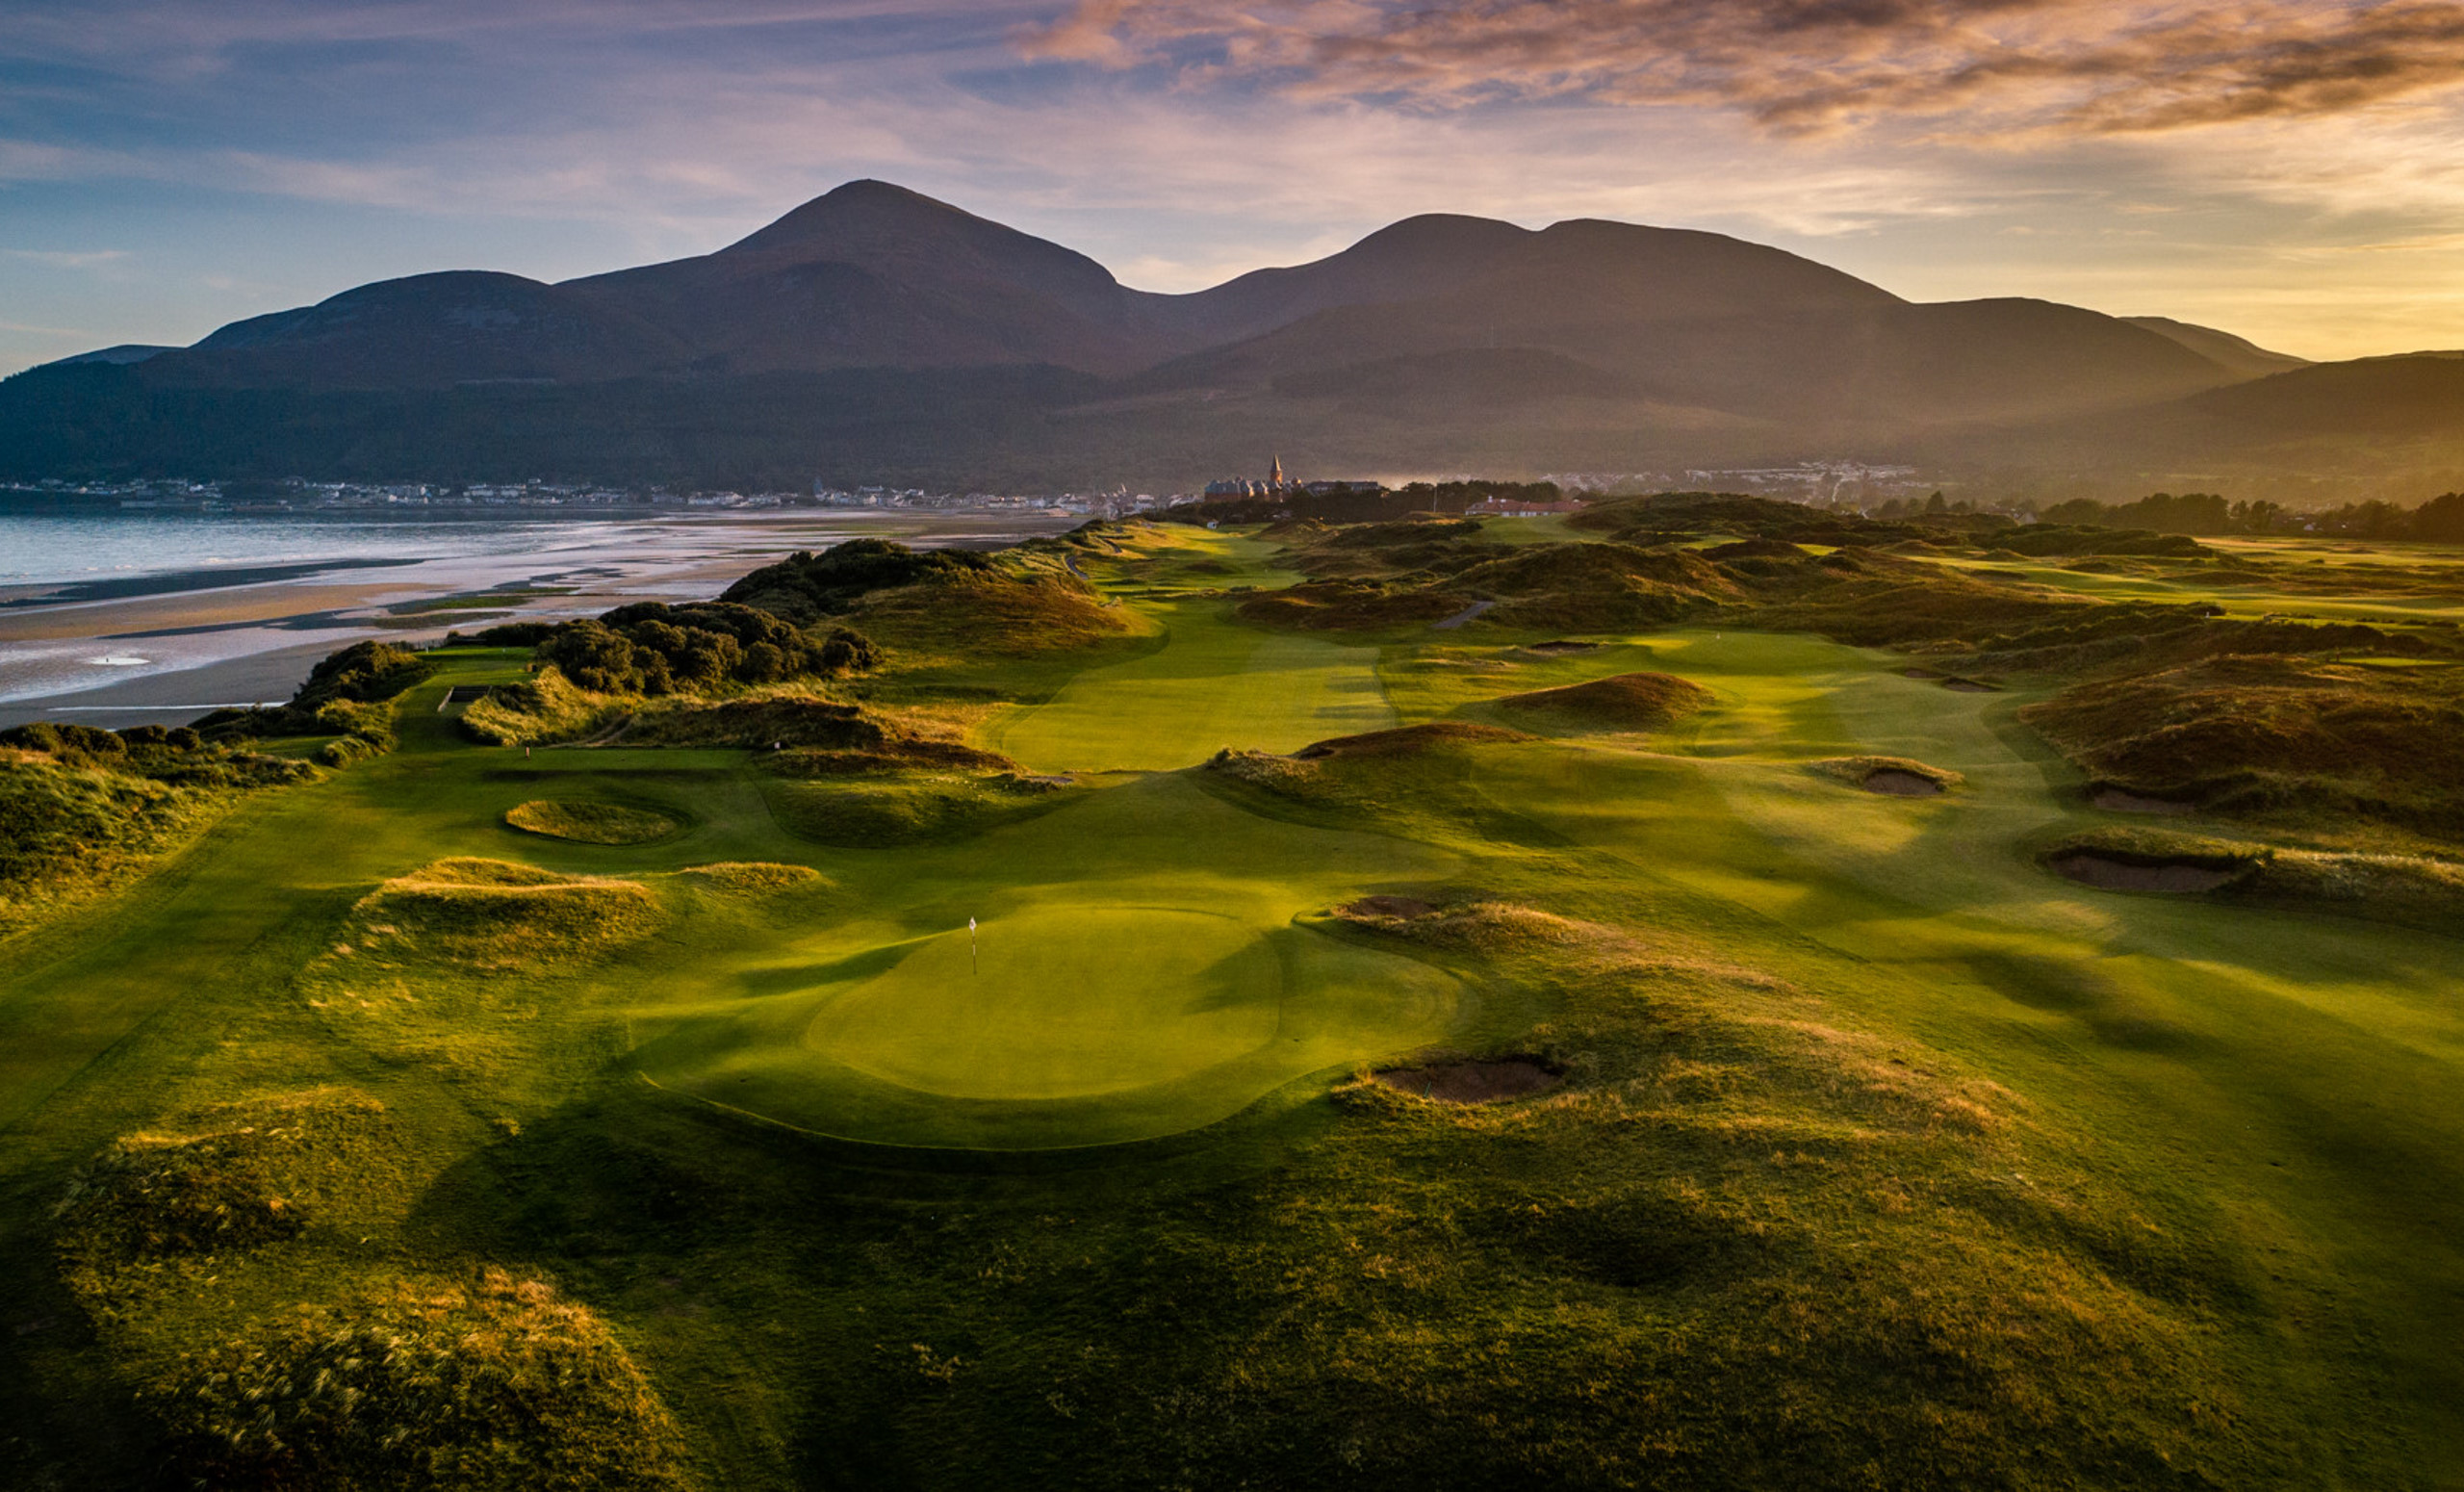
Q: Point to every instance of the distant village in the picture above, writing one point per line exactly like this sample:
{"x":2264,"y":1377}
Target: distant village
{"x":1841,"y":484}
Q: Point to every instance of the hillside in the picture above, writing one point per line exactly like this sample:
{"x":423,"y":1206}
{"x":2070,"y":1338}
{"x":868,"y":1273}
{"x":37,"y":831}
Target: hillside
{"x":875,"y":334}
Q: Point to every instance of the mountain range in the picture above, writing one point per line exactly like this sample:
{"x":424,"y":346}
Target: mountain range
{"x":876,"y":334}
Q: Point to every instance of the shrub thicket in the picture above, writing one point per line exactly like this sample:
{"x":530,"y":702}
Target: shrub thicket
{"x":650,"y":648}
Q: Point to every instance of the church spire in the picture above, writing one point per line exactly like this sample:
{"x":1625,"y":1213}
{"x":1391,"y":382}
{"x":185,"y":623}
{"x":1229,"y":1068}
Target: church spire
{"x":1275,"y":478}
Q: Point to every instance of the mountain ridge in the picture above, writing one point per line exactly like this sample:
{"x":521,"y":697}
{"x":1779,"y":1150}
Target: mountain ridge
{"x":842,"y":336}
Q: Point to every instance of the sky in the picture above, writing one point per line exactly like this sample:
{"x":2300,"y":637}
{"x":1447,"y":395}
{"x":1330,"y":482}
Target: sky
{"x":2291,"y":170}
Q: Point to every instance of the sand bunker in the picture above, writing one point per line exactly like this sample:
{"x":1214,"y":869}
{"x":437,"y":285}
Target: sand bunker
{"x":1624,"y":702}
{"x":1897,"y":784}
{"x":2106,"y":873}
{"x":2116,"y":801}
{"x":1895,"y":777}
{"x":1472,"y":1082}
{"x":1563,"y":646}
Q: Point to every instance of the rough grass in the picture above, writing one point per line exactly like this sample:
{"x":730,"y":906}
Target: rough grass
{"x":1407,"y":740}
{"x":1622,"y":702}
{"x":76,"y":829}
{"x":2411,"y":889}
{"x":235,"y":1176}
{"x":544,"y":709}
{"x":992,"y":615}
{"x":908,"y":809}
{"x":591,"y":823}
{"x":2296,"y":740}
{"x":492,"y":915}
{"x":486,"y":1380}
{"x":756,"y":878}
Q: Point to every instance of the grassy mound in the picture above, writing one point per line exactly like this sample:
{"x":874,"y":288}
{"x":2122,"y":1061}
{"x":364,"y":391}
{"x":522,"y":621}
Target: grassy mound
{"x":2290,"y":739}
{"x":492,"y":915}
{"x":756,"y":878}
{"x":898,"y":753}
{"x":79,"y":818}
{"x":787,"y":719}
{"x":1407,"y":740}
{"x":2414,"y":891}
{"x":1568,"y":587}
{"x":1477,"y":926}
{"x":489,"y":1381}
{"x":544,"y":709}
{"x":1622,"y":702}
{"x":1352,"y":605}
{"x":1597,"y":588}
{"x":591,"y":823}
{"x":869,"y":814}
{"x":238,"y":1177}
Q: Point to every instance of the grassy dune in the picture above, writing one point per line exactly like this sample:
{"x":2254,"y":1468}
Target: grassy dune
{"x":1877,"y":1153}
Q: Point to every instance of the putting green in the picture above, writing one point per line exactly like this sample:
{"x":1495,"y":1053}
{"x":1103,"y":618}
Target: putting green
{"x":1060,"y":1003}
{"x":1214,"y":685}
{"x":1141,"y":973}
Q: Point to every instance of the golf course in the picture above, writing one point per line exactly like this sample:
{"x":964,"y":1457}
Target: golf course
{"x":949,"y":1055}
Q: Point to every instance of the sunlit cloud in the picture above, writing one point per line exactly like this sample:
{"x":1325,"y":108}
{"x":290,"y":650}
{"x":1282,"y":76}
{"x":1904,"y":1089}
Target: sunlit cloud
{"x":1809,"y":65}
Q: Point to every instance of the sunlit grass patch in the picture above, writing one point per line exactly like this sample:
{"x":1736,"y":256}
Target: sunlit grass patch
{"x":591,"y":823}
{"x":756,"y":878}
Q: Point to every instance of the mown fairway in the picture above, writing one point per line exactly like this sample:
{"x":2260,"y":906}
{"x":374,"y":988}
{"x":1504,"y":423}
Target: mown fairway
{"x":869,"y":1207}
{"x":1213,"y":684}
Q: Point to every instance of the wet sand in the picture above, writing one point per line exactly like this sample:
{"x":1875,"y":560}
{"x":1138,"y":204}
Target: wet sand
{"x":167,"y":646}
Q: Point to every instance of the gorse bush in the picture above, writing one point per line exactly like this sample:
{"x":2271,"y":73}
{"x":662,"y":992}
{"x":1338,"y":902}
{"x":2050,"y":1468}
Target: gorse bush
{"x":655,"y":649}
{"x":362,"y":673}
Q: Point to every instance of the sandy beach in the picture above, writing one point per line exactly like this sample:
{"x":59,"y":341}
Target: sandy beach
{"x":164,"y":646}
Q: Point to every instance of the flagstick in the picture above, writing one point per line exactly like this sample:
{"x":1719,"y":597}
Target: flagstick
{"x":970,"y":946}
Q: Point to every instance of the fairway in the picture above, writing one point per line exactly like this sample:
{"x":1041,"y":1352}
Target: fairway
{"x":1214,"y":685}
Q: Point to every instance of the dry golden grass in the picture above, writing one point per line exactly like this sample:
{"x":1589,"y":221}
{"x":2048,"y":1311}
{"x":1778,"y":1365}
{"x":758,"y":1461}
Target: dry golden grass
{"x":756,"y":878}
{"x":484,"y":1380}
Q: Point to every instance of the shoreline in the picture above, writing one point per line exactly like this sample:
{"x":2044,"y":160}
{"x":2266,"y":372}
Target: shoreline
{"x":165,"y":646}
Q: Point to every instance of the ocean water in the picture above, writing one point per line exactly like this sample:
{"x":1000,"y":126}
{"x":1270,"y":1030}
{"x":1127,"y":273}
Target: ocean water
{"x":52,"y":549}
{"x":118,"y":617}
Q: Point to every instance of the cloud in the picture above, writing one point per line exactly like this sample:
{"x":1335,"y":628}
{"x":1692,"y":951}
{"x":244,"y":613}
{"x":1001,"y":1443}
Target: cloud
{"x":1807,"y":66}
{"x":67,"y":259}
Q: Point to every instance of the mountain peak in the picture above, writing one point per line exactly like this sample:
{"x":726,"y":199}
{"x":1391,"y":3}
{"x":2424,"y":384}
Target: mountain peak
{"x":859,"y":209}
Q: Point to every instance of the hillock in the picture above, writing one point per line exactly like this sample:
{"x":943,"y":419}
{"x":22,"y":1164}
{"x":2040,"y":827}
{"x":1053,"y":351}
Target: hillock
{"x":805,"y":587}
{"x":84,"y":811}
{"x":2298,"y":739}
{"x":1621,"y":702}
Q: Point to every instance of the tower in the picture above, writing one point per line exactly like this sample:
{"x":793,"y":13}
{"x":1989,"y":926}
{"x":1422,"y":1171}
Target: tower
{"x":1274,"y":478}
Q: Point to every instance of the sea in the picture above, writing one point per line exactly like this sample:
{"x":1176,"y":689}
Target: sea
{"x":117,"y":617}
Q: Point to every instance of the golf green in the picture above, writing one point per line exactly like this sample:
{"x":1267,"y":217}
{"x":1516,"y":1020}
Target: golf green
{"x":1062,"y":1003}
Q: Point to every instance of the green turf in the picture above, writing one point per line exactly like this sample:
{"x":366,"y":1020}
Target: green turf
{"x":1214,"y":685}
{"x":1094,"y":1207}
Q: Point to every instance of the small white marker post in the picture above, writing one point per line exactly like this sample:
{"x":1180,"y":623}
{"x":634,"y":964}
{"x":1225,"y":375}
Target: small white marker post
{"x":970,"y":946}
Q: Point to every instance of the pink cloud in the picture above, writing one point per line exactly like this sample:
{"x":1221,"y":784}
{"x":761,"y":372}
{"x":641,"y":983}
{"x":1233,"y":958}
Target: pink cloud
{"x":1811,"y":65}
